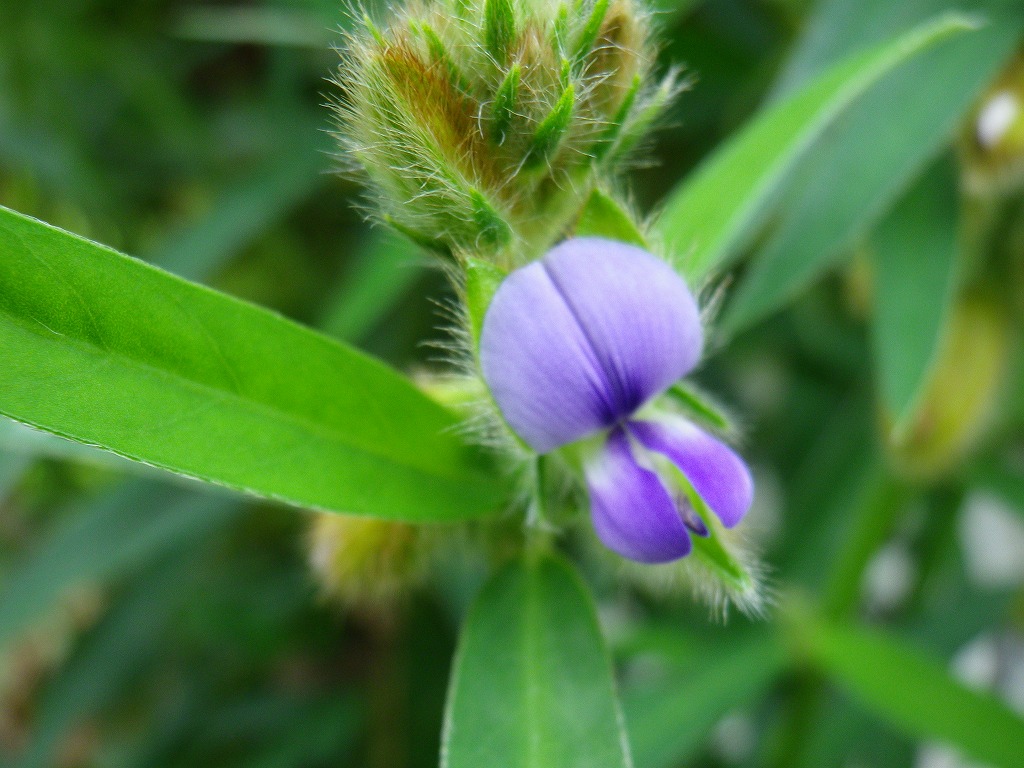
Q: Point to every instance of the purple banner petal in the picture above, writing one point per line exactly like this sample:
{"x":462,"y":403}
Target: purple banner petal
{"x":540,"y":366}
{"x":581,"y":339}
{"x":633,"y":513}
{"x":719,"y":476}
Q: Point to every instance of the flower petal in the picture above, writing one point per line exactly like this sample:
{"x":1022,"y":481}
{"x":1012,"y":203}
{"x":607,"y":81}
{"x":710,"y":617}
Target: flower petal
{"x":540,"y":366}
{"x":633,"y":513}
{"x":582,"y":338}
{"x":641,"y":319}
{"x":719,"y":476}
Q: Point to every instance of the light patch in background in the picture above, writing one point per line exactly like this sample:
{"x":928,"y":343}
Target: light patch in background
{"x":990,"y":662}
{"x":996,"y":117}
{"x":889,"y":578}
{"x":735,"y":738}
{"x":992,"y":537}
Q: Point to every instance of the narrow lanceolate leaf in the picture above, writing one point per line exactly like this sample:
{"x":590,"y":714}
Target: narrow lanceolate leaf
{"x":503,"y":109}
{"x":499,"y":28}
{"x":916,"y":694}
{"x":588,"y":34}
{"x":855,"y":174}
{"x":706,"y":218}
{"x":915,"y":266}
{"x":552,"y":128}
{"x":532,"y":683}
{"x":103,"y":349}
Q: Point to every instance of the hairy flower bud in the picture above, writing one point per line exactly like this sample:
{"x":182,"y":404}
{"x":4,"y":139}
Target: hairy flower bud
{"x":993,"y":146}
{"x":481,"y":124}
{"x":364,"y":561}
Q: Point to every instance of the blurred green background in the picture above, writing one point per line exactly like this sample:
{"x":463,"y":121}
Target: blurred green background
{"x":151,"y":622}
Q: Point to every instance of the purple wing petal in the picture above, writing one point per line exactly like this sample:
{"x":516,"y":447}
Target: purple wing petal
{"x":641,"y":319}
{"x":540,"y":366}
{"x":718,"y":475}
{"x":633,"y":513}
{"x":582,"y":338}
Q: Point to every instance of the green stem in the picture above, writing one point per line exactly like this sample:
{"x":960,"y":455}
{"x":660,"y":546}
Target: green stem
{"x":936,"y":542}
{"x":876,"y":517}
{"x":873,"y":525}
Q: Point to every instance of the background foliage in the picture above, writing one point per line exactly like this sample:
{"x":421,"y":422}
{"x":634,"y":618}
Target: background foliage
{"x":150,"y":621}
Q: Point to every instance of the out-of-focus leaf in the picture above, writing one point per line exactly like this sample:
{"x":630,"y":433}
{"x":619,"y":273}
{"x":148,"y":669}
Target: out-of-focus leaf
{"x":255,"y":25}
{"x":915,"y":693}
{"x":270,"y":729}
{"x":101,"y":348}
{"x":670,"y":721}
{"x":705,"y":219}
{"x":316,"y":735}
{"x":243,"y":211}
{"x":845,"y":733}
{"x":870,"y":522}
{"x":841,"y":470}
{"x":675,"y":9}
{"x":915,"y":270}
{"x":835,"y":29}
{"x":117,"y":650}
{"x":1002,"y":479}
{"x":104,"y":539}
{"x":381,"y":273}
{"x":532,"y":682}
{"x":858,"y":170}
{"x":12,"y":465}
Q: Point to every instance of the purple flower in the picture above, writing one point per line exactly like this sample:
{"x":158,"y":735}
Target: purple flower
{"x":576,"y":344}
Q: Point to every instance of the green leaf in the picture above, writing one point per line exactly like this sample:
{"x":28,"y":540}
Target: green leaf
{"x":505,"y":101}
{"x":855,"y":174}
{"x":604,"y":216}
{"x":532,"y":682}
{"x":670,"y":720}
{"x":499,"y":28}
{"x":706,"y":218}
{"x":552,"y":129}
{"x":103,"y":349}
{"x":700,"y":406}
{"x":482,"y":281}
{"x":29,"y":444}
{"x":102,"y":540}
{"x":915,"y":693}
{"x":726,"y":565}
{"x":915,"y":270}
{"x":590,"y":30}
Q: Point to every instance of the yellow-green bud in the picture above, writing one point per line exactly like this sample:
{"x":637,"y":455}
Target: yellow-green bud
{"x":962,"y":391}
{"x":365,"y":562}
{"x":993,"y":145}
{"x":481,"y":124}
